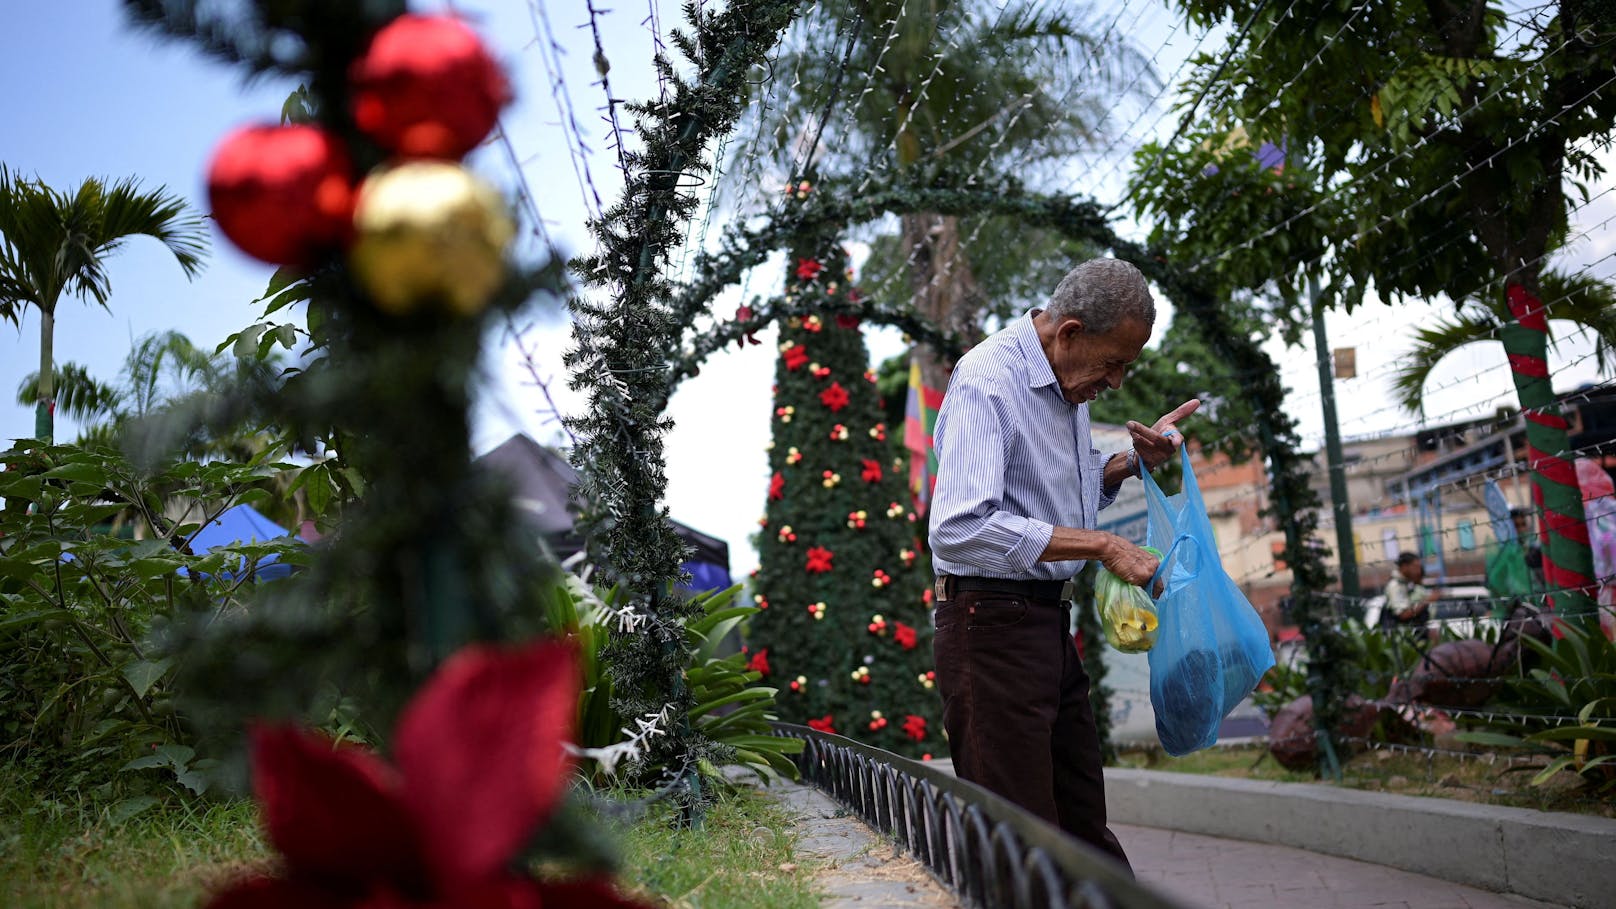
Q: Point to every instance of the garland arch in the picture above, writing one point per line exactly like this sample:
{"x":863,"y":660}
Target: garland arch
{"x":1295,"y":504}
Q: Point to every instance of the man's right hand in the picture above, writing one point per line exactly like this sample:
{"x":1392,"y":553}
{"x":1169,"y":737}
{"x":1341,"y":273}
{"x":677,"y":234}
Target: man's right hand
{"x":1129,"y":562}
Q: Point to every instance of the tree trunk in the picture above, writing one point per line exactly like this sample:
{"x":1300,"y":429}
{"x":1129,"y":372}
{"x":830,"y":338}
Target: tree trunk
{"x":1567,"y":558}
{"x":45,"y":410}
{"x":942,"y":287}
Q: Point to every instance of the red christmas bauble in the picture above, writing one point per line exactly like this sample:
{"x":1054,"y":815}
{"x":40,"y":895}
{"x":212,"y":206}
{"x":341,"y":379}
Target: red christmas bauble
{"x":426,"y":87}
{"x":283,"y":194}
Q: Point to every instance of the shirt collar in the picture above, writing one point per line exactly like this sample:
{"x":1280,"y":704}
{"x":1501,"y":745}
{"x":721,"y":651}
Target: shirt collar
{"x":1039,"y":372}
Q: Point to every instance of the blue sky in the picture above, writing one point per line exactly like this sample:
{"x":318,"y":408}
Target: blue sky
{"x":91,"y":96}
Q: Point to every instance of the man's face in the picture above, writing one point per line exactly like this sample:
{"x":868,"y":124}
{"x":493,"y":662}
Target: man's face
{"x":1086,"y":364}
{"x":1413,"y":572}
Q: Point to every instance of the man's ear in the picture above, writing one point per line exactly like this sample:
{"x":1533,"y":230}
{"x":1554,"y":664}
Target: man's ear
{"x":1070,"y":328}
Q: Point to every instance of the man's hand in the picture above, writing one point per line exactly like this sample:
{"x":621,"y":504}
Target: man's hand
{"x":1156,"y":443}
{"x":1129,"y":562}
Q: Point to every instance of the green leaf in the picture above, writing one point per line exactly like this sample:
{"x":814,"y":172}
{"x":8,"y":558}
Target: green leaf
{"x":143,"y":674}
{"x":129,"y":808}
{"x":247,"y":342}
{"x":1491,"y":738}
{"x":1573,"y":733}
{"x":1555,"y":766}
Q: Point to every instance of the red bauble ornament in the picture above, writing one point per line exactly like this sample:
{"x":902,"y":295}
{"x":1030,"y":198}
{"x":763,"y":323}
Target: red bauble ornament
{"x":426,"y":87}
{"x":283,"y":194}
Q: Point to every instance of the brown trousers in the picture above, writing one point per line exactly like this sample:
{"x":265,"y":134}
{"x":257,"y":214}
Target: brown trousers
{"x":1016,"y":708}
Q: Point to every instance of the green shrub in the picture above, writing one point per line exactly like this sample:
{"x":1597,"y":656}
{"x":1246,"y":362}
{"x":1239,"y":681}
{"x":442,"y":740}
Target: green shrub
{"x":94,"y":562}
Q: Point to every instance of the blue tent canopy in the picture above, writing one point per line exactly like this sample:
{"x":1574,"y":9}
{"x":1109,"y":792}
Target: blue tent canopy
{"x":243,"y":524}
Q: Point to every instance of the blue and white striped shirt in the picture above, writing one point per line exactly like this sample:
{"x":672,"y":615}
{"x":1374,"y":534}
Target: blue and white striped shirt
{"x":1014,"y":462}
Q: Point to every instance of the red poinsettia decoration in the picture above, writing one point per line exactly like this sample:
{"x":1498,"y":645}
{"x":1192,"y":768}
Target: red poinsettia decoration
{"x":819,"y":559}
{"x":835,"y":397}
{"x":872,"y":471}
{"x":904,"y":635}
{"x":744,"y":315}
{"x":759,"y":661}
{"x":808,"y":269}
{"x":479,"y":763}
{"x":777,"y":487}
{"x":846,"y":321}
{"x":914,"y":727}
{"x":796,"y":356}
{"x":823,"y":724}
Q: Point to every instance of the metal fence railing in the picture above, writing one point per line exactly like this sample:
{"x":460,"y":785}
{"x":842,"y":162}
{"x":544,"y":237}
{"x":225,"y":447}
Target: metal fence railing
{"x":990,"y":852}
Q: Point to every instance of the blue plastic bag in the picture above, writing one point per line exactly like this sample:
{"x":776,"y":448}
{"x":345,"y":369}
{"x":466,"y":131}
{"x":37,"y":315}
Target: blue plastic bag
{"x":1211,"y":646}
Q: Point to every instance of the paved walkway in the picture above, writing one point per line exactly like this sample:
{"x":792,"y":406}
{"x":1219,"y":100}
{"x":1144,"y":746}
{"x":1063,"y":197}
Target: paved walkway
{"x":860,"y":869}
{"x":1204,"y":871}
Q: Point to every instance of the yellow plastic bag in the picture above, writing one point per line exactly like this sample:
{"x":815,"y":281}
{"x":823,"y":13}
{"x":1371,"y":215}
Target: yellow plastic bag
{"x":1127,"y":614}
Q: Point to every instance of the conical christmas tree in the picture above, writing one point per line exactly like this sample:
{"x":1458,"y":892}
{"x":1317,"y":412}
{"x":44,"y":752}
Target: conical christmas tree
{"x":845,"y":631}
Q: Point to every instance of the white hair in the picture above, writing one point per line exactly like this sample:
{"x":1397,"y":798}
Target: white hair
{"x":1103,"y":292}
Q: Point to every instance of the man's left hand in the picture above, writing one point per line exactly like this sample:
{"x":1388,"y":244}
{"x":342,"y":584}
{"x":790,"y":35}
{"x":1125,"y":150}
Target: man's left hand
{"x":1156,"y":443}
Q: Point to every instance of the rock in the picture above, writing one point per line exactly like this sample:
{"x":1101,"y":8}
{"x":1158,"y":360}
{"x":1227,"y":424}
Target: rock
{"x":1397,"y":782}
{"x":1383,"y":756}
{"x":788,"y":867}
{"x":1451,"y":781}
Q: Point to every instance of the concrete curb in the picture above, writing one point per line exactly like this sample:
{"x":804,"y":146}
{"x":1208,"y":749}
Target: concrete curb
{"x":1551,"y":856}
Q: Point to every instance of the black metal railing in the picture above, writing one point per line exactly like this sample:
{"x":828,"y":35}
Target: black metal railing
{"x":990,"y":852}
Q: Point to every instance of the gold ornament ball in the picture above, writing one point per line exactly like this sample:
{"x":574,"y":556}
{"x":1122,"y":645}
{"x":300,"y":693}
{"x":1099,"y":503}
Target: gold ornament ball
{"x":429,"y":231}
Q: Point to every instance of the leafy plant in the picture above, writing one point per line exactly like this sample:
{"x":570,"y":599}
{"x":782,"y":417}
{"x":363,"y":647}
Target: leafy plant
{"x":1575,"y":677}
{"x":94,"y":561}
{"x":728,"y":707}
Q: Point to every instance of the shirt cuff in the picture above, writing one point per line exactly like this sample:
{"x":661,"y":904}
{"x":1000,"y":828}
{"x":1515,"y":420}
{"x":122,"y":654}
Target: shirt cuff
{"x":1034,"y":540}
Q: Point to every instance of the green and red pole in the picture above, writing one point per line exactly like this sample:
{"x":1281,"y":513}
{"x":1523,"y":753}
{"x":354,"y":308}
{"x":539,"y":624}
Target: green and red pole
{"x":1568,"y":566}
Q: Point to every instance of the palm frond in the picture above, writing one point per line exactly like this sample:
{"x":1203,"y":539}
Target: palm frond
{"x":1434,"y":343}
{"x":78,"y":394}
{"x":1587,"y":302}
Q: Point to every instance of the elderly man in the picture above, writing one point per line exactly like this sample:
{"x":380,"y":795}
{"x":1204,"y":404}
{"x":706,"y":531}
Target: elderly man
{"x":1012,"y":517}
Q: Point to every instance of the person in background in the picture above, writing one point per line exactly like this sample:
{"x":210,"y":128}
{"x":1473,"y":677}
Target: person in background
{"x":1408,"y":602}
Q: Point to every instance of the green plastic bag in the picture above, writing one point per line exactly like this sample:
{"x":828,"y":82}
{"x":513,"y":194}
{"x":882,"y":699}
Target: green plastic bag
{"x":1127,"y":613}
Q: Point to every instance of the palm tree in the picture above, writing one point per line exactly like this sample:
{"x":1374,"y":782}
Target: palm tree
{"x":945,"y":93}
{"x":1581,"y":299}
{"x":54,"y":243}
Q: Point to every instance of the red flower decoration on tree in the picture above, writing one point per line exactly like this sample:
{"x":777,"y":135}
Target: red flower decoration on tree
{"x":760,"y":661}
{"x":823,"y":724}
{"x":808,"y":269}
{"x":904,"y":635}
{"x":872,"y":471}
{"x":479,"y":762}
{"x":846,"y":321}
{"x":914,"y":727}
{"x":777,"y":487}
{"x":835,"y":397}
{"x":796,"y":356}
{"x":819,"y":559}
{"x":744,"y":314}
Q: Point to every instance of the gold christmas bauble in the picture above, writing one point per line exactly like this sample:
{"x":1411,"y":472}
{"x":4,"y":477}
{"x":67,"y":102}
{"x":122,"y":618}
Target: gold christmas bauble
{"x":428,"y":232}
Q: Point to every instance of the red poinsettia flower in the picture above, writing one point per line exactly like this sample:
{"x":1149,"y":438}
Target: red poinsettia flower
{"x":872,"y":471}
{"x":744,"y":314}
{"x":835,"y":397}
{"x":479,"y":763}
{"x":904,"y":635}
{"x":914,"y":727}
{"x":777,"y":487}
{"x":796,"y":356}
{"x":808,"y":269}
{"x":819,"y":559}
{"x":760,"y":661}
{"x":846,"y":321}
{"x":823,"y":724}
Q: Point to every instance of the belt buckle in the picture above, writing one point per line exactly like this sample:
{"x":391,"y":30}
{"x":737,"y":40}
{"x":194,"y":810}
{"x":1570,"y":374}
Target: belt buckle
{"x":940,"y":589}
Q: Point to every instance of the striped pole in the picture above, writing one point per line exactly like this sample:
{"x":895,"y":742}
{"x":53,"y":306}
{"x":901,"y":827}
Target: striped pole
{"x":1567,"y":558}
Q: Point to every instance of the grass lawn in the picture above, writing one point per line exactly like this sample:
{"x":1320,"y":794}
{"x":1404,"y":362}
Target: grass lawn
{"x":56,"y":854}
{"x":1486,"y":779}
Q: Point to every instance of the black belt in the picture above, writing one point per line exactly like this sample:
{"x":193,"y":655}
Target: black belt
{"x":950,"y":584}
